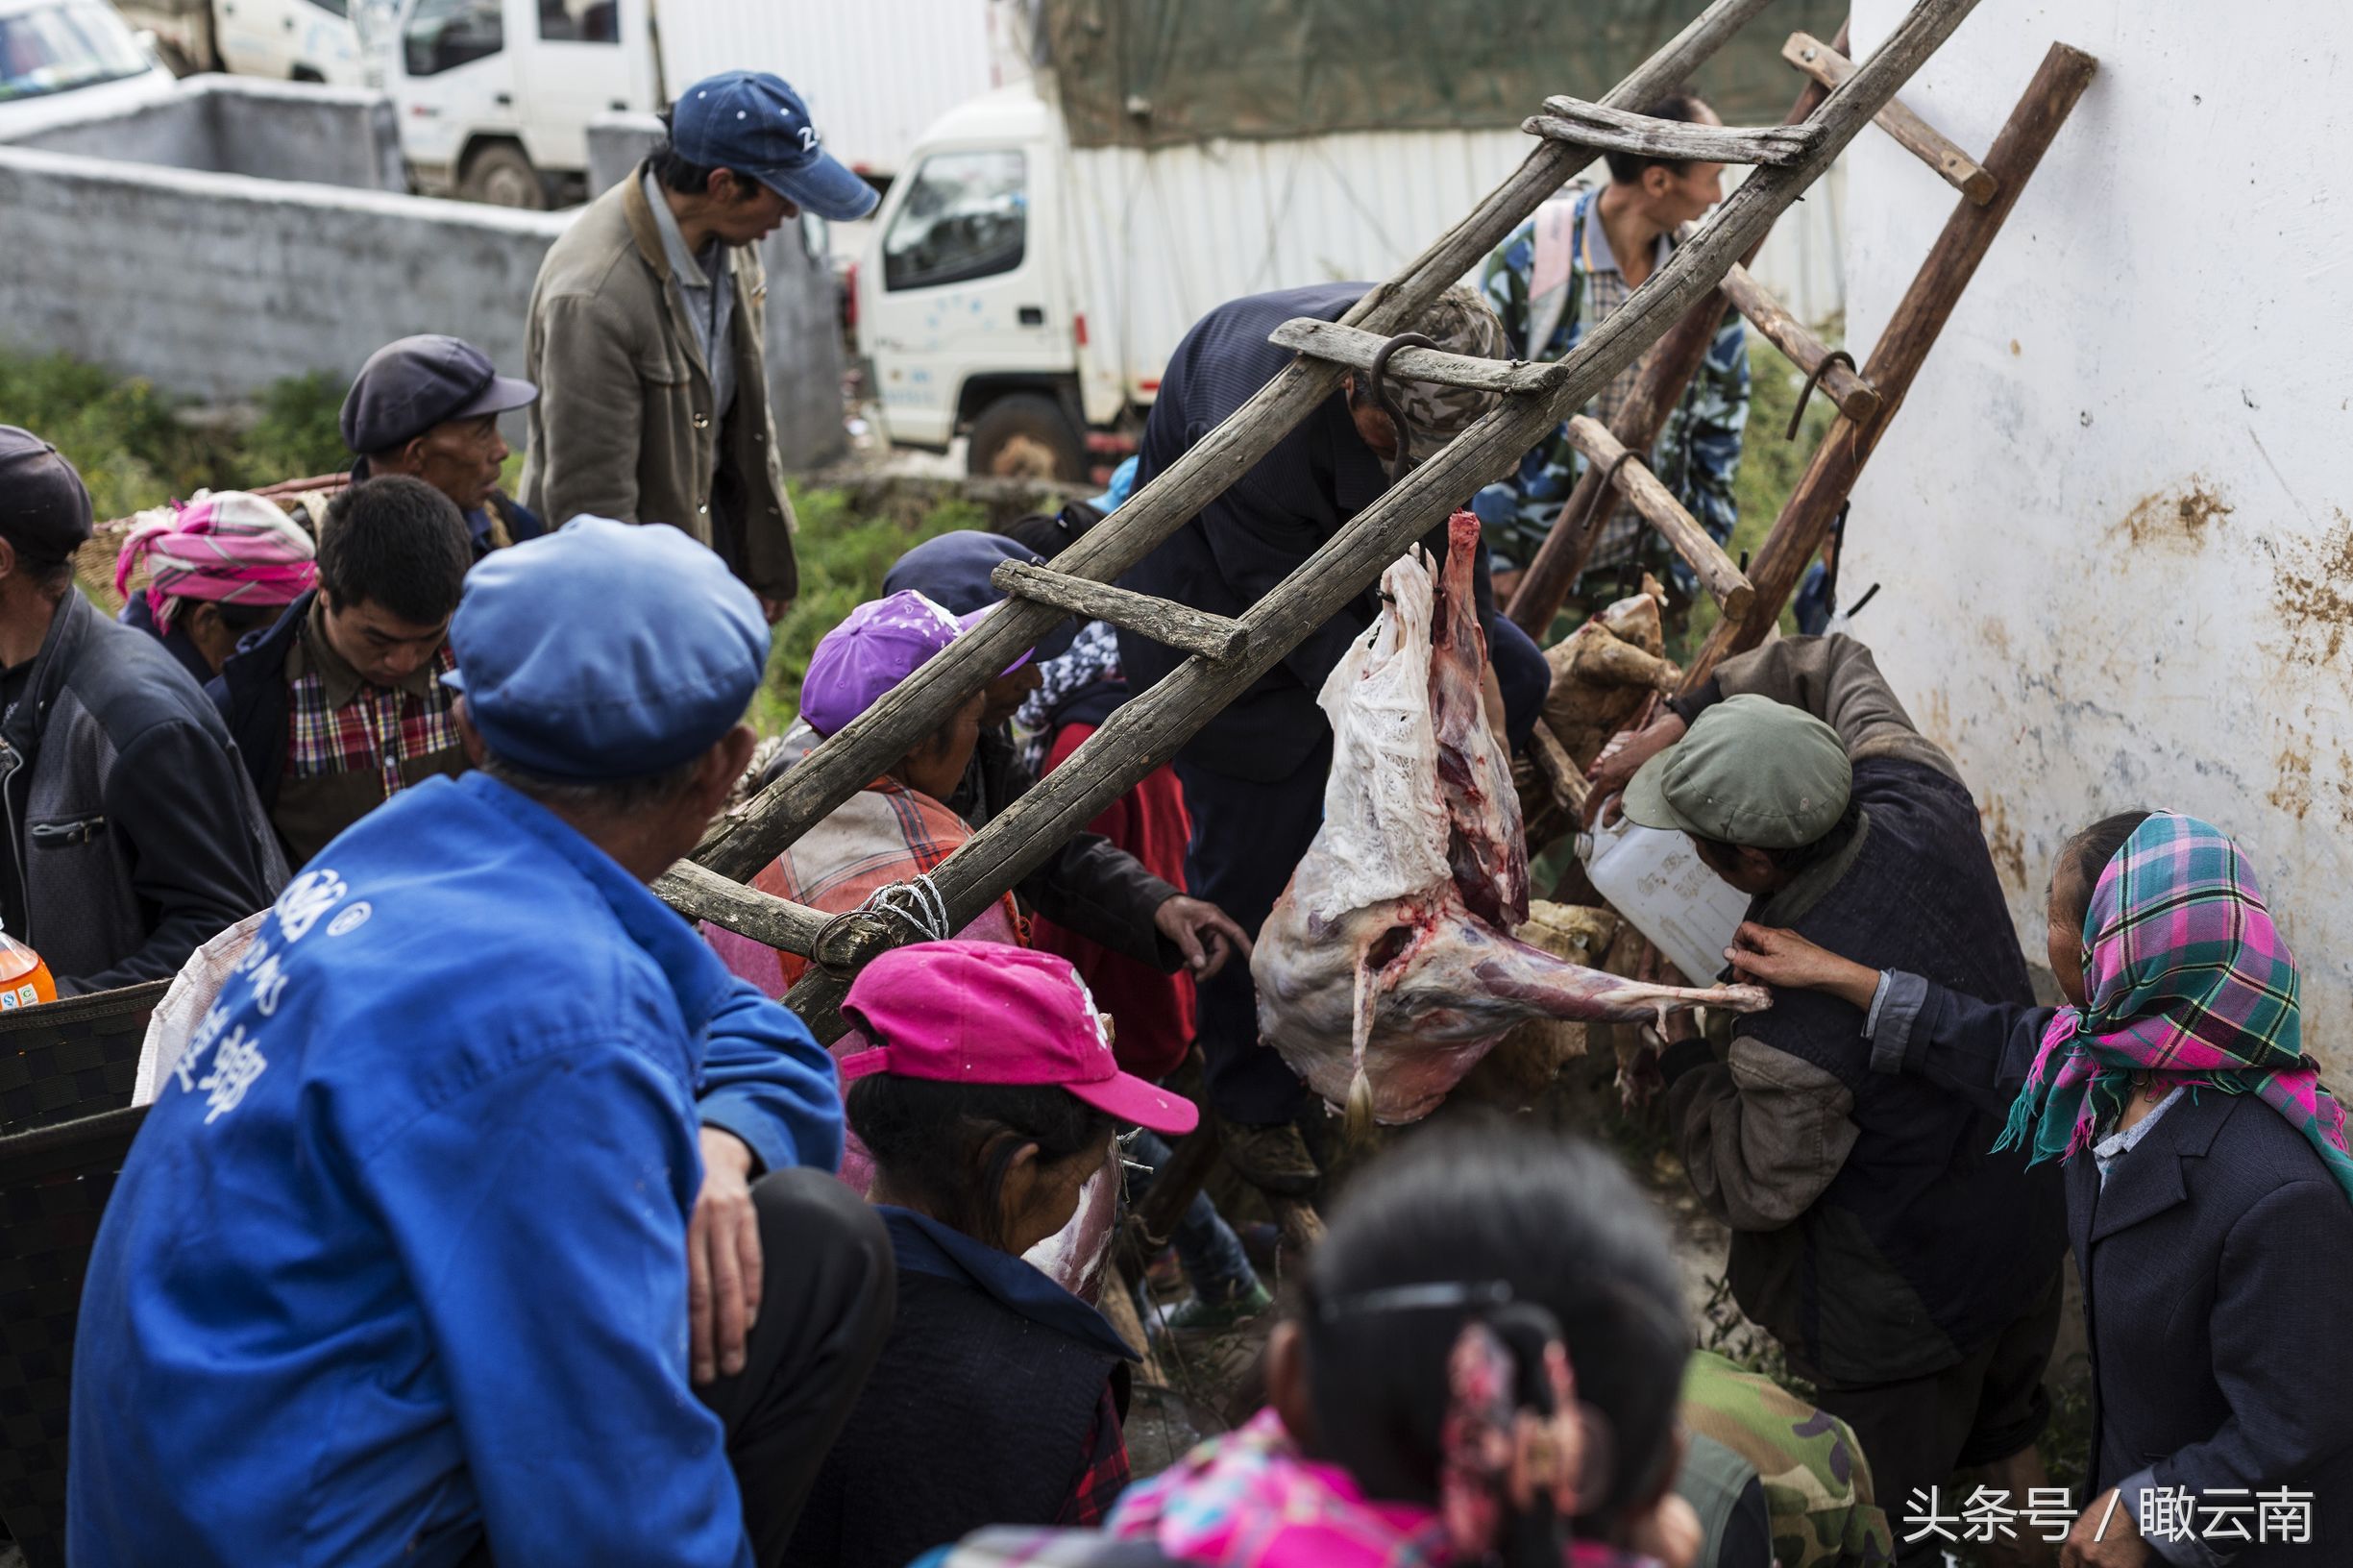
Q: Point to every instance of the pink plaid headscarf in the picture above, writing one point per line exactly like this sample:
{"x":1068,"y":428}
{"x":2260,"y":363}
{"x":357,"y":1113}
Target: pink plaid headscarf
{"x":230,"y":548}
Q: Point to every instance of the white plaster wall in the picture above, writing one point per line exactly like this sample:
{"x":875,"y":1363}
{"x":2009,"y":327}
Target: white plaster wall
{"x":2113,"y":521}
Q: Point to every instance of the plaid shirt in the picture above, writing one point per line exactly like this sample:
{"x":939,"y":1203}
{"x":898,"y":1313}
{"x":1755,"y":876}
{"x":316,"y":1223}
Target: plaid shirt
{"x":1106,"y":1475}
{"x":339,"y":724}
{"x":1698,"y":452}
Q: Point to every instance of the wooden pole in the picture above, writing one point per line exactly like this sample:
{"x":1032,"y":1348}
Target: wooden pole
{"x":1561,"y":560}
{"x":1911,"y":332}
{"x":1828,"y":65}
{"x":1146,"y":731}
{"x":1853,"y":395}
{"x":1632,"y":479}
{"x":850,"y":759}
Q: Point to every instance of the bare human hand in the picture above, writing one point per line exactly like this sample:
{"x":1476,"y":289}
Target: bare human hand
{"x":1776,"y":957}
{"x":2105,"y":1535}
{"x":1205,"y":934}
{"x":723,"y":1259}
{"x":1622,"y":759}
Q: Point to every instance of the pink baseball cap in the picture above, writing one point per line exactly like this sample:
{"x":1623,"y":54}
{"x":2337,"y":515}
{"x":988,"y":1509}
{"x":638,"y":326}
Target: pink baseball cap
{"x":991,"y":1013}
{"x":878,"y":645}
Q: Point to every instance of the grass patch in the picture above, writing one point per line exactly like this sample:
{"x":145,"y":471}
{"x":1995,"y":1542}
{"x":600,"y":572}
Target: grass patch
{"x":843,"y":553}
{"x":138,"y":447}
{"x":1770,"y":467}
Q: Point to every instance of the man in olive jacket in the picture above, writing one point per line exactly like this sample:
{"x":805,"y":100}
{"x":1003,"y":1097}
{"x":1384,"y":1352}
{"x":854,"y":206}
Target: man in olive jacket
{"x":646,"y":328}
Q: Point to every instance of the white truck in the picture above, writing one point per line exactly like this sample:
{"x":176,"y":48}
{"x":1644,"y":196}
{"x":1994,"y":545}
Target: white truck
{"x":300,"y":41}
{"x":1025,"y":293}
{"x":495,"y":96}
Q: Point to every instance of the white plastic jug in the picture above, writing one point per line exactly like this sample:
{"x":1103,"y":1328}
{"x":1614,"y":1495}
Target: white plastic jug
{"x":1657,"y":881}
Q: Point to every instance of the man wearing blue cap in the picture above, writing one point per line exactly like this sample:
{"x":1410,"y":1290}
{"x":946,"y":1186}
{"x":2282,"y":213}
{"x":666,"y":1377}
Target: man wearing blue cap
{"x":486,"y":1219}
{"x":646,"y":328}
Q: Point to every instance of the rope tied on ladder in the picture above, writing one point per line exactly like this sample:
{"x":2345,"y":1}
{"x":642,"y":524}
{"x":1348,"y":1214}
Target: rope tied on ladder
{"x":918,"y":904}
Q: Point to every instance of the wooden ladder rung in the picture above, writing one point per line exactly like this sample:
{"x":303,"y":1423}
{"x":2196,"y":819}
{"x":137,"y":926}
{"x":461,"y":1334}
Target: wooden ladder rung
{"x":1616,"y":131}
{"x":760,"y":915}
{"x":1355,"y":348}
{"x":1924,"y":141}
{"x":1857,"y":398}
{"x":1662,"y":512}
{"x":1174,"y":625}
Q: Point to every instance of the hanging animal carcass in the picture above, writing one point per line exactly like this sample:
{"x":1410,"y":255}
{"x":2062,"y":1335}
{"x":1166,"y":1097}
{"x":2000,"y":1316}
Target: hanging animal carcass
{"x":1387,"y":967}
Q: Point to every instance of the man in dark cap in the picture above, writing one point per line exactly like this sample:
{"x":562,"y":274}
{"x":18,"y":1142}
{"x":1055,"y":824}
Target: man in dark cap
{"x":487,"y":1218}
{"x":133,"y":833}
{"x":1091,"y":885}
{"x":647,"y":331}
{"x":428,"y":406}
{"x":345,"y":699}
{"x":1910,"y":1274}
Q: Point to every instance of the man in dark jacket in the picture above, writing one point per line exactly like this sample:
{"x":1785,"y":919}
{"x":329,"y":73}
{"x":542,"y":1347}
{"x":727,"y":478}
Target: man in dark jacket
{"x":1254,"y":775}
{"x":341,"y":703}
{"x":134,"y":834}
{"x":1909,"y":1272}
{"x":1091,"y":885}
{"x":428,"y":406}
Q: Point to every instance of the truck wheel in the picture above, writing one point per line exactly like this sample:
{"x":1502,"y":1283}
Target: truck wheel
{"x":1026,"y":436}
{"x":501,"y":174}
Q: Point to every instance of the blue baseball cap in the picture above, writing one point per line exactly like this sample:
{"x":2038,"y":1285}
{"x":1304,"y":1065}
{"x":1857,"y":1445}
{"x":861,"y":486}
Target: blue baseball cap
{"x":753,"y":123}
{"x":663,"y":667}
{"x":952,"y":569}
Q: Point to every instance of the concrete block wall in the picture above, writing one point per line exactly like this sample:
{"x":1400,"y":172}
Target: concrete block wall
{"x":294,"y":130}
{"x":213,"y":285}
{"x":153,"y":242}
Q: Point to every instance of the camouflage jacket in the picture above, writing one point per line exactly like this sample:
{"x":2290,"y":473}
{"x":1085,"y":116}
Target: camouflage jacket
{"x":1816,"y":1481}
{"x":1698,"y":452}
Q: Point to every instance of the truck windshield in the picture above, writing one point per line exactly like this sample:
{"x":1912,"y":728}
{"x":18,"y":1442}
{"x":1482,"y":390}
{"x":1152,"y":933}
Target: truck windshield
{"x":58,"y":48}
{"x":967,"y":217}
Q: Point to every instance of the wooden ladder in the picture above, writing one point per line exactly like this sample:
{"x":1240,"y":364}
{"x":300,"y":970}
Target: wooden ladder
{"x":1226,"y":655}
{"x":1866,"y":398}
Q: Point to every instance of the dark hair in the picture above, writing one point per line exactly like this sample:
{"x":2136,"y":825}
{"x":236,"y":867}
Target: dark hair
{"x":1797,"y":857}
{"x":1476,"y":1202}
{"x":1684,"y":108}
{"x":1048,"y":534}
{"x":2090,"y":850}
{"x":608,"y":797}
{"x":672,"y":172}
{"x":949,"y":1145}
{"x":396,"y":542}
{"x":240,"y":619}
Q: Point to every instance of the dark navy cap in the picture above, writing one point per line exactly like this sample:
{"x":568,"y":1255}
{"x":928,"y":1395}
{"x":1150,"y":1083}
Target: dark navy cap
{"x":952,"y":570}
{"x":45,"y":506}
{"x":409,"y":387}
{"x":605,"y":651}
{"x":753,"y":123}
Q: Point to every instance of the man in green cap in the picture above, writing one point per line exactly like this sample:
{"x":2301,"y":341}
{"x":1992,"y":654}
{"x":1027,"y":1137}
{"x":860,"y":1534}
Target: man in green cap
{"x":1909,"y":1274}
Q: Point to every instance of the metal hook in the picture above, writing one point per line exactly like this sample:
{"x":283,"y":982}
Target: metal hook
{"x":1375,"y":382}
{"x":1835,"y":357}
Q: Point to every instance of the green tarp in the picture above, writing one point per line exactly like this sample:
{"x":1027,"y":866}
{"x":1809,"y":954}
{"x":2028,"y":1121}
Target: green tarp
{"x":1155,"y":73}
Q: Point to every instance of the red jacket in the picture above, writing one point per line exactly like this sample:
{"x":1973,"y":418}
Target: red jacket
{"x":1153,"y":1011}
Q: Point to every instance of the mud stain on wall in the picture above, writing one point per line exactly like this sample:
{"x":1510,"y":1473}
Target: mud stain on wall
{"x":2005,"y":842}
{"x":2176,"y":517}
{"x":2315,"y":592}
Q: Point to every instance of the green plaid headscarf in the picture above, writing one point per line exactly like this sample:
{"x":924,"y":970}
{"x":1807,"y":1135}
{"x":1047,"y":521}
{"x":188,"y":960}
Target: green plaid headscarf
{"x":2188,"y":978}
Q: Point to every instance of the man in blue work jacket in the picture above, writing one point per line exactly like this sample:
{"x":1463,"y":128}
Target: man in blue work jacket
{"x":485,"y":1216}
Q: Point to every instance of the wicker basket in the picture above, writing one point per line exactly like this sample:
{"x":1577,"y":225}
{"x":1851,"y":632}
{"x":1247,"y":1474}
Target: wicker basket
{"x":54,"y":1185}
{"x":66,"y":1060}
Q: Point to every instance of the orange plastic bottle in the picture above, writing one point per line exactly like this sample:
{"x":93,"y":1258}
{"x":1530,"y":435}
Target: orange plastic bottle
{"x":25,"y":980}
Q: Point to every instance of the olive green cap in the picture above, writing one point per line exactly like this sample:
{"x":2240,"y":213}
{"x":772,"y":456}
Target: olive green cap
{"x":1752,"y":772}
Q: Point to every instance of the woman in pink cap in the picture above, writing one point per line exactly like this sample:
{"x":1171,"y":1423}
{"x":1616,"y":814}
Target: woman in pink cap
{"x":989,"y":1098}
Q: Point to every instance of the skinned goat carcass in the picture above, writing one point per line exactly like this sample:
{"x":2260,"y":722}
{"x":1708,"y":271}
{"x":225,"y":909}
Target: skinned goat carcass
{"x":1387,"y":968}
